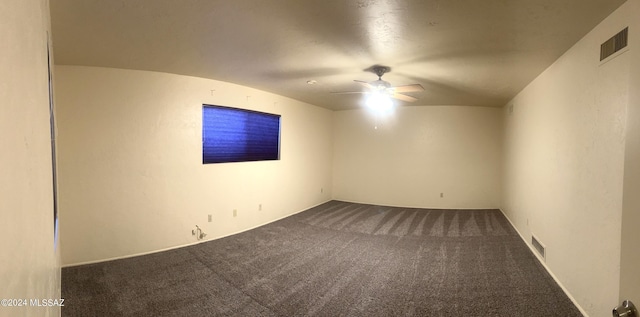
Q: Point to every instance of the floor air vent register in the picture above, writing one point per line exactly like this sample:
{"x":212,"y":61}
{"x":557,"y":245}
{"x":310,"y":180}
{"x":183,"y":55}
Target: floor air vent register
{"x":540,"y":248}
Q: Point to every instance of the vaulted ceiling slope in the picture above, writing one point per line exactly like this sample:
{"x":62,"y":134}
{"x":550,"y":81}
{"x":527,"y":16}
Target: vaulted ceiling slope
{"x":464,"y":52}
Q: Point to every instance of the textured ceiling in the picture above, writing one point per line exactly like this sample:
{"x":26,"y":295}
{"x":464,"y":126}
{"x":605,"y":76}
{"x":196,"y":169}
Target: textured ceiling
{"x":464,"y":52}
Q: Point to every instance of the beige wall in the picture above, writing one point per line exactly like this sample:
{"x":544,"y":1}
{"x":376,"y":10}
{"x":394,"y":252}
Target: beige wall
{"x":29,"y":265}
{"x":563,"y":165}
{"x":416,"y":154}
{"x":131,"y":173}
{"x":132,"y":180}
{"x":630,"y":250}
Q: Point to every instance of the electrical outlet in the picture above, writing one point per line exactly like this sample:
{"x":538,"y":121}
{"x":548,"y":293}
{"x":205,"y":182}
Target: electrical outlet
{"x":260,"y":207}
{"x":210,"y":218}
{"x":321,"y":190}
{"x":235,"y":212}
{"x":441,"y":195}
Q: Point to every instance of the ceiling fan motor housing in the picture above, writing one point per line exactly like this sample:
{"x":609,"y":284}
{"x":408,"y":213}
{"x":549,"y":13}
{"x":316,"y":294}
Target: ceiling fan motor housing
{"x":380,"y":84}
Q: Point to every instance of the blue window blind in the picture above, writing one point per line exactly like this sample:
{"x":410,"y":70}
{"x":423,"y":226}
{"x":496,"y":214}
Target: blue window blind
{"x":238,"y":135}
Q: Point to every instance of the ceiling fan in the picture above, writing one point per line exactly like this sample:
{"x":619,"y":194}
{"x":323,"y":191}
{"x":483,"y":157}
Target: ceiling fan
{"x":384,"y":87}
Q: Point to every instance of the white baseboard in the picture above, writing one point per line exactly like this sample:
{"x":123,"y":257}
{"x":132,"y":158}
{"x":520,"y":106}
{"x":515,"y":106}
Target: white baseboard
{"x":189,"y":244}
{"x":413,"y":206}
{"x":564,"y":289}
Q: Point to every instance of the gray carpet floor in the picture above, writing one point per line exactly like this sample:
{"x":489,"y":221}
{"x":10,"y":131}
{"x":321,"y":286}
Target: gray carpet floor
{"x":337,"y":259}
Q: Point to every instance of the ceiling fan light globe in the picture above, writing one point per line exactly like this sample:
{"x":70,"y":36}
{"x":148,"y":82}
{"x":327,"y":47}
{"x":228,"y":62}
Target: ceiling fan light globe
{"x":380,"y":103}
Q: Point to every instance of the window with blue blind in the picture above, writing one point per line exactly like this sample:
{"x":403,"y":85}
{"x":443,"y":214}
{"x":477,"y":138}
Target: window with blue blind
{"x":238,"y":135}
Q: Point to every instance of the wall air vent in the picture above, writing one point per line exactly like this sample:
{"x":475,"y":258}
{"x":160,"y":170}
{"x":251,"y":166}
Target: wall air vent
{"x":538,"y":246}
{"x":614,"y":44}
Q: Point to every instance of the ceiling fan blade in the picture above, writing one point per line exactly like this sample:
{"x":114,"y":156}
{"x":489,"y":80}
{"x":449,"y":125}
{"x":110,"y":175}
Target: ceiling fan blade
{"x":364,"y":83}
{"x":409,"y":88}
{"x":348,"y":92}
{"x":404,"y":97}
